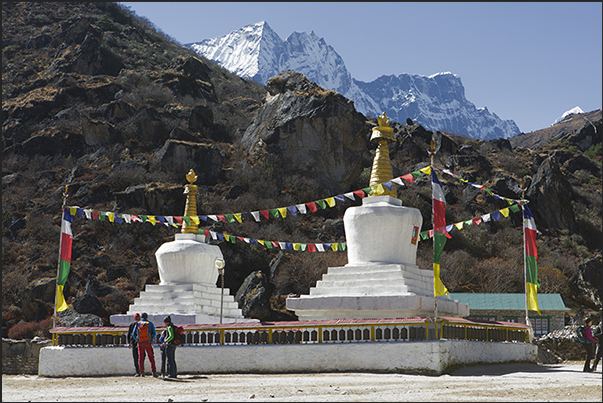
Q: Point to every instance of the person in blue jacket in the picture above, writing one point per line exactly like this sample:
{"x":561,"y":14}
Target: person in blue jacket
{"x":145,"y":335}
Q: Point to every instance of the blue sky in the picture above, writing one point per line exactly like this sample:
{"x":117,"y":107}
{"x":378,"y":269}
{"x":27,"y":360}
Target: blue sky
{"x":529,"y":62}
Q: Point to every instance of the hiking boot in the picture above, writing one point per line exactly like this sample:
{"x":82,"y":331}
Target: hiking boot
{"x":142,"y":375}
{"x":136,"y":374}
{"x":155,"y":375}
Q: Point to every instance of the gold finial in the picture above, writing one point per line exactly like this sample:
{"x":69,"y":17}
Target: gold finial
{"x":383,"y":120}
{"x":191,"y":177}
{"x":190,"y":209}
{"x":382,"y":168}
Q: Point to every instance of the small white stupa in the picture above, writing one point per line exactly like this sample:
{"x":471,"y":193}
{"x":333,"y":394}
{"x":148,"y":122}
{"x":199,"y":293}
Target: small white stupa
{"x":189,"y":269}
{"x":381,"y":279}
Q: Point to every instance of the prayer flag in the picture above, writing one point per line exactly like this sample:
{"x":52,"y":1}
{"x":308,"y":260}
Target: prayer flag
{"x":439,"y":232}
{"x":64,"y":259}
{"x":530,"y":260}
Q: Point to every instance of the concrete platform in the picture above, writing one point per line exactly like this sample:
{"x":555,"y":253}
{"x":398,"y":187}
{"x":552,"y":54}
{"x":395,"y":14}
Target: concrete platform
{"x":432,"y":357}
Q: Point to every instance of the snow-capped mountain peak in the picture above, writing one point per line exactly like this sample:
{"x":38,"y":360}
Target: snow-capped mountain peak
{"x":437,"y":101}
{"x":575,"y":109}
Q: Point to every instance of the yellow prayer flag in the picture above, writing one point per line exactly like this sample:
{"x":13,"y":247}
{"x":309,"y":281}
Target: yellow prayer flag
{"x":151,"y":219}
{"x":330,"y":201}
{"x":237,"y":216}
{"x":73,"y":210}
{"x":195,"y":219}
{"x":61,"y":304}
{"x":334,"y":247}
{"x":426,"y":170}
{"x":459,"y":225}
{"x":283,"y":211}
{"x":438,"y":287}
{"x":505,"y":212}
{"x":111,"y":217}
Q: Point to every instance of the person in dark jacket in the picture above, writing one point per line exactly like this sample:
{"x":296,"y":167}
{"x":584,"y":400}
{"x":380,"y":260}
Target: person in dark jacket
{"x":132,"y":343}
{"x":170,"y":348}
{"x":589,"y":346}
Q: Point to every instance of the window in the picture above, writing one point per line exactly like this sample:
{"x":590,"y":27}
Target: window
{"x":513,"y":319}
{"x":540,"y":325}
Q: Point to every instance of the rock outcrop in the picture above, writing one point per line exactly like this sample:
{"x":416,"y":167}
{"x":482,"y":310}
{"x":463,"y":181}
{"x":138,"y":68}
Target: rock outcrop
{"x":550,"y":196}
{"x":316,"y":132}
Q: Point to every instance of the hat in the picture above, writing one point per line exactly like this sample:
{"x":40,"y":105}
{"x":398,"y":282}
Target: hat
{"x":144,"y":315}
{"x":167,"y":319}
{"x":136,"y":316}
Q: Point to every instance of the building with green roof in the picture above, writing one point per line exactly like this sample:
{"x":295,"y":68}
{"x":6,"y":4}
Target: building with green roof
{"x":511,"y":307}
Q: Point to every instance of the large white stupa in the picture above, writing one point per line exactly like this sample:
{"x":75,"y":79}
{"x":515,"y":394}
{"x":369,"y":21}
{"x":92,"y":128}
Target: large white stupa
{"x":381,"y":279}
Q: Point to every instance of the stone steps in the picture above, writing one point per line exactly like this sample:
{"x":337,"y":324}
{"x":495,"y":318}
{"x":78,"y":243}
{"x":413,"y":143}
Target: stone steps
{"x":186,"y":299}
{"x":375,"y":279}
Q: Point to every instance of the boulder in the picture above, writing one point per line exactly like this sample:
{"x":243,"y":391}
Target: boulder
{"x":582,"y":163}
{"x":560,"y":345}
{"x":89,"y":304}
{"x":550,"y":196}
{"x":253,"y":297}
{"x":314,"y":132}
{"x":506,"y":186}
{"x":587,"y":283}
{"x":71,"y":318}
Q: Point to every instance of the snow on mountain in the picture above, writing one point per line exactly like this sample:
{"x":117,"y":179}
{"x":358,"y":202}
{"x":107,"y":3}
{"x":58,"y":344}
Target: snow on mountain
{"x":575,"y":109}
{"x":437,"y":101}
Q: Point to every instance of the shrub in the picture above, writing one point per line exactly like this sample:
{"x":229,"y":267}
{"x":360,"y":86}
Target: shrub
{"x":22,"y":330}
{"x":29,"y":330}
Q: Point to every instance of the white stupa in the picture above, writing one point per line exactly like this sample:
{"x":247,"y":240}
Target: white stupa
{"x":189,"y":269}
{"x":381,"y":279}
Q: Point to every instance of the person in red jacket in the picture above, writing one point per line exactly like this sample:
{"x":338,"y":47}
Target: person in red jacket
{"x":145,"y":334}
{"x":589,"y":346}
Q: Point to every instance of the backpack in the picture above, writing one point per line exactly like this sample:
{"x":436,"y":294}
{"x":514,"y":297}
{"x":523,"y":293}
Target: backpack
{"x":580,"y":335}
{"x":179,"y":336}
{"x":143,"y":332}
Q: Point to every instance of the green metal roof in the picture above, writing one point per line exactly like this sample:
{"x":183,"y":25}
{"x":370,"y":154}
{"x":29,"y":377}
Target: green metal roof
{"x":510,"y":301}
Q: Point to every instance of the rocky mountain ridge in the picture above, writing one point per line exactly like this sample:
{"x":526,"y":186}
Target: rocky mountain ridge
{"x":437,"y":101}
{"x":122,"y":141}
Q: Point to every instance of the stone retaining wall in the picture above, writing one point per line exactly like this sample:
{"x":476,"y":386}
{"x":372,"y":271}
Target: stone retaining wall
{"x":22,"y":356}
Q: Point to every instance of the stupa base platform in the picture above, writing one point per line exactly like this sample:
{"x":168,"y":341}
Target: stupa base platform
{"x":408,"y":345}
{"x":320,"y":307}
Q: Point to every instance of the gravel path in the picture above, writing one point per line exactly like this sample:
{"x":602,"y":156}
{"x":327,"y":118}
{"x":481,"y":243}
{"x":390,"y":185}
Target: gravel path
{"x":501,"y":382}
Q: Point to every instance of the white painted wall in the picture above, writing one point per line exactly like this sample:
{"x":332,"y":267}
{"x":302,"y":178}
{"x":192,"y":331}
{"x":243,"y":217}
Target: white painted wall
{"x":426,"y":357}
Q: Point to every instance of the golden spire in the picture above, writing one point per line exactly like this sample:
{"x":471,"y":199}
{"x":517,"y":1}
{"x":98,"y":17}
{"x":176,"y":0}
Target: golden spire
{"x":190,"y":209}
{"x":382,"y":168}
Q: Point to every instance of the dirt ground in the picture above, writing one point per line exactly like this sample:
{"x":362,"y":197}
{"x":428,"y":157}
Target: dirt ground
{"x":500,"y":382}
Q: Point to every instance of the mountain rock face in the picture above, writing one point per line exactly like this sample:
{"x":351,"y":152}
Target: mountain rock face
{"x":437,"y":102}
{"x":317,"y":132}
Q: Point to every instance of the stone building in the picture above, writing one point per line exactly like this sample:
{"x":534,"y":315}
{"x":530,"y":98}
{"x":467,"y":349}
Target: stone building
{"x":511,"y":307}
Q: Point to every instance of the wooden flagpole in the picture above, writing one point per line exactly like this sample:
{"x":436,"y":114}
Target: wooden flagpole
{"x":431,"y":153}
{"x":525,"y":268}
